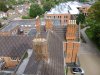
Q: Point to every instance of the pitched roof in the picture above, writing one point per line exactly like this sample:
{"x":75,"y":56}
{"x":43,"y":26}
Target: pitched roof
{"x":14,"y":46}
{"x":60,"y":32}
{"x":56,"y":63}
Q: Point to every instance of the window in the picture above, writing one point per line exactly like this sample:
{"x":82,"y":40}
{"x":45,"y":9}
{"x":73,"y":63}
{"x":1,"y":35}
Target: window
{"x":65,"y":16}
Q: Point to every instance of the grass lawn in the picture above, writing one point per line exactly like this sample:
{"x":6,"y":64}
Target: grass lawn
{"x":90,"y":36}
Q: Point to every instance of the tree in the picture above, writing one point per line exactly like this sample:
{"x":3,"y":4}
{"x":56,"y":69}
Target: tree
{"x":80,"y":18}
{"x":0,"y":25}
{"x":32,"y":1}
{"x":35,"y":10}
{"x":3,"y":6}
{"x":48,"y":5}
{"x":11,"y":2}
{"x":93,"y":20}
{"x":96,"y":34}
{"x":83,"y":0}
{"x":94,"y":15}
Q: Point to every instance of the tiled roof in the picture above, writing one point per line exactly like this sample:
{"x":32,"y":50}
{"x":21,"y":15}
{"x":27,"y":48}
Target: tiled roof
{"x":60,"y":32}
{"x":14,"y":46}
{"x":32,"y":66}
{"x":55,"y":48}
{"x":56,"y":63}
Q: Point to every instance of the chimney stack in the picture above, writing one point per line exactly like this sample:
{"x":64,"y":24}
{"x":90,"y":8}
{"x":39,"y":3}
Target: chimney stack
{"x":48,"y":24}
{"x":37,"y":25}
{"x":40,"y":48}
{"x":71,"y":30}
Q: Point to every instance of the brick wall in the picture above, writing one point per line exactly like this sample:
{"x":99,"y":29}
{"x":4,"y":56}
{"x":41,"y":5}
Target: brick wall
{"x":71,"y":50}
{"x":48,"y":24}
{"x":9,"y":62}
{"x":64,"y":18}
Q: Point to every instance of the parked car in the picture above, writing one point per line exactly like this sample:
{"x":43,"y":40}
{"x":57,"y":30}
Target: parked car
{"x":77,"y":70}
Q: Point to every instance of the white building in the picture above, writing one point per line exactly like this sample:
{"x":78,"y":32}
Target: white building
{"x":70,"y":7}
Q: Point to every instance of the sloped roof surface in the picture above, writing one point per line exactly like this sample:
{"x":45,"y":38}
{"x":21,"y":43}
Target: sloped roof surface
{"x":56,"y":63}
{"x":14,"y":46}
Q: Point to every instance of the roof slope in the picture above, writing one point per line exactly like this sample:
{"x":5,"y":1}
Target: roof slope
{"x":55,"y":49}
{"x":56,"y":63}
{"x":15,"y":46}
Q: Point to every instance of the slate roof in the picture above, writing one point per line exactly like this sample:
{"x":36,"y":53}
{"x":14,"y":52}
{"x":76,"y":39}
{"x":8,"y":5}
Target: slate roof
{"x":32,"y":32}
{"x":60,"y":31}
{"x":15,"y":46}
{"x":56,"y":64}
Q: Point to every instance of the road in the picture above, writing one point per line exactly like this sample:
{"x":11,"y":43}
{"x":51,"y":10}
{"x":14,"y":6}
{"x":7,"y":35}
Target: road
{"x":89,"y":56}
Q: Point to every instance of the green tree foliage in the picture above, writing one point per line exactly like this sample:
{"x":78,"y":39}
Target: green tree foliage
{"x":80,"y":19}
{"x":32,"y":1}
{"x":0,"y":25}
{"x":96,"y":34}
{"x":83,"y":0}
{"x":94,"y":15}
{"x":35,"y":10}
{"x":48,"y":5}
{"x":3,"y":6}
{"x":93,"y":20}
{"x":11,"y":2}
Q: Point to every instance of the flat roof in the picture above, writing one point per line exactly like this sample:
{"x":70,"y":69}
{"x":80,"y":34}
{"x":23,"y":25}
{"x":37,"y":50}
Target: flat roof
{"x":15,"y":23}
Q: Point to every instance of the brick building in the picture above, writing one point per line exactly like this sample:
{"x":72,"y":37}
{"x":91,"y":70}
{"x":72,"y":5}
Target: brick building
{"x":18,"y":27}
{"x":54,"y":45}
{"x":67,"y":11}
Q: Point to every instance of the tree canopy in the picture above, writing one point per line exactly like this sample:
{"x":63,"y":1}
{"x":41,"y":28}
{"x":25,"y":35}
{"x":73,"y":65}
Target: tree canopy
{"x":3,"y":6}
{"x":93,"y":20}
{"x":94,"y":14}
{"x":35,"y":10}
{"x":80,"y":18}
{"x":48,"y":5}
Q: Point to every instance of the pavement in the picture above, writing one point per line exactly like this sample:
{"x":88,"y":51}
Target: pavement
{"x":69,"y":72}
{"x":89,"y":56}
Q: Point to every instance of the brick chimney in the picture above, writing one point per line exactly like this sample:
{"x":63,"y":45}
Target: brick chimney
{"x":71,"y":49}
{"x":71,"y":30}
{"x":48,"y":24}
{"x":40,"y":48}
{"x":37,"y":25}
